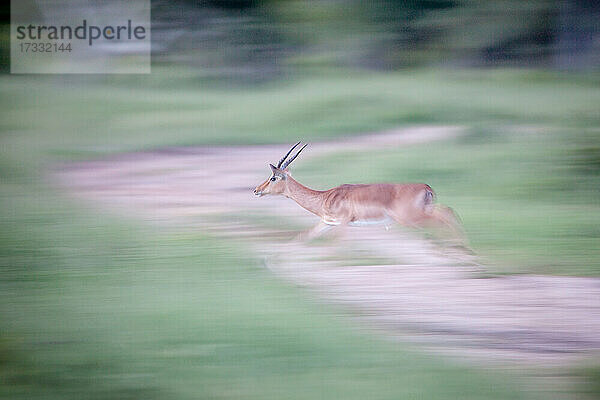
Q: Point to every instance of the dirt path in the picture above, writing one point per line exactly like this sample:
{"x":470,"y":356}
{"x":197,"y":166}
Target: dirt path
{"x":395,"y":281}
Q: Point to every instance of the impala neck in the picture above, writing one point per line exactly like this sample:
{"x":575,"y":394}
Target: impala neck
{"x":307,"y":198}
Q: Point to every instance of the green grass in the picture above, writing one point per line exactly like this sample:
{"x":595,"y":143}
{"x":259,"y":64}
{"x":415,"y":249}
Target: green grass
{"x":95,"y":308}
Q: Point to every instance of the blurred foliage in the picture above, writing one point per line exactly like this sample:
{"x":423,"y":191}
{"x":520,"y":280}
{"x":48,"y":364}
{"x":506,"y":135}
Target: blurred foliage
{"x":265,"y":39}
{"x":250,"y":40}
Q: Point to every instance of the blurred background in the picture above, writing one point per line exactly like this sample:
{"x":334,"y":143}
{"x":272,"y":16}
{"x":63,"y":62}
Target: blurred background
{"x":100,"y":303}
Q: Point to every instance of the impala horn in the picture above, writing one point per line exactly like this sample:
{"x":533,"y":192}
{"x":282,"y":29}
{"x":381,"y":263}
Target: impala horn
{"x":288,"y":153}
{"x":288,"y":162}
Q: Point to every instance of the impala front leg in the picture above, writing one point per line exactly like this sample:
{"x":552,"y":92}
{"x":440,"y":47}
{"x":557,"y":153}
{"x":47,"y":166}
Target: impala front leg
{"x":315,"y":231}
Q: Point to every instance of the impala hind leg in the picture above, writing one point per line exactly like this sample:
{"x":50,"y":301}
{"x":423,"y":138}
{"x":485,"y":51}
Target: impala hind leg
{"x":440,"y":216}
{"x":434,"y":216}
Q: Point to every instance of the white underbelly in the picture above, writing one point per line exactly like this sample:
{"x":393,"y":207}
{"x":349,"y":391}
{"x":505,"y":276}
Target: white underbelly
{"x":361,"y":222}
{"x":368,"y":222}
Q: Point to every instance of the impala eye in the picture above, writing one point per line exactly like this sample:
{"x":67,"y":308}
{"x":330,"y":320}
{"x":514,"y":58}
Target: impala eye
{"x":273,"y":179}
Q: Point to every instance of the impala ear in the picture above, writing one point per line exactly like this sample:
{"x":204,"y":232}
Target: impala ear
{"x":277,"y":171}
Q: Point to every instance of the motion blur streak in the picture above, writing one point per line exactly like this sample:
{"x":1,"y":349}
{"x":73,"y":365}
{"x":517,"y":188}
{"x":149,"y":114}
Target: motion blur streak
{"x":137,"y":263}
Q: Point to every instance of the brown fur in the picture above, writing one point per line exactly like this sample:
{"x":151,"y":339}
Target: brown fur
{"x":409,"y":204}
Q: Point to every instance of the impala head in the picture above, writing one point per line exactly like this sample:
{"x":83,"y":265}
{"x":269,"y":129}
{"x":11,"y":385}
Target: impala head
{"x":277,"y":182}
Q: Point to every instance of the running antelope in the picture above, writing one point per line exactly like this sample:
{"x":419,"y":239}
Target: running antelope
{"x":408,"y":204}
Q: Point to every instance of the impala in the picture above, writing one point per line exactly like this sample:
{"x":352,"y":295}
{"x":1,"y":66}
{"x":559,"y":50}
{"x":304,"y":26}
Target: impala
{"x":408,"y":204}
